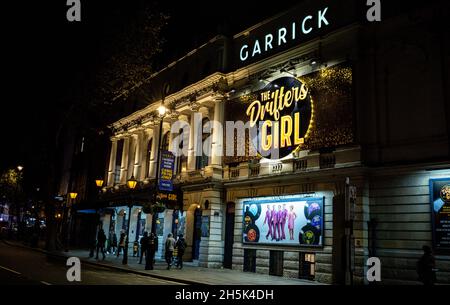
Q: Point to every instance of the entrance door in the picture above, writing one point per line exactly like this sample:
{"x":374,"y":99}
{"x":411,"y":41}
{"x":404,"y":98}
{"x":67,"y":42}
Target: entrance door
{"x":229,"y":236}
{"x":197,"y":233}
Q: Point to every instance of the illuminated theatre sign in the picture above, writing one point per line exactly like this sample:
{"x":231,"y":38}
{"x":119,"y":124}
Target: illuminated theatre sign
{"x":296,"y":30}
{"x":282,"y":114}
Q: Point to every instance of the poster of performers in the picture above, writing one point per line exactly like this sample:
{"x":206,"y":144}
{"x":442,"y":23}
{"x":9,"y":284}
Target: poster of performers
{"x":283,"y":220}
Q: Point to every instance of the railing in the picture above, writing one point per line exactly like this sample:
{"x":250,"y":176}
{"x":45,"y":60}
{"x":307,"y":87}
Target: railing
{"x":254,"y":170}
{"x":300,"y":165}
{"x":327,"y":160}
{"x":234,"y":173}
{"x":277,"y":168}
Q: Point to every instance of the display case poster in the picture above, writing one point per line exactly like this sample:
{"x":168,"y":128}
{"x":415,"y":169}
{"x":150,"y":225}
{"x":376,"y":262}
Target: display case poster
{"x":440,"y":211}
{"x":205,"y":226}
{"x":283,"y":220}
{"x":166,"y":171}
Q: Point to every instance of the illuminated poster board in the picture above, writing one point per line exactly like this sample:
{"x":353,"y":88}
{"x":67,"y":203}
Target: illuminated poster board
{"x":283,"y":220}
{"x":166,"y":171}
{"x":293,"y":114}
{"x":440,"y":211}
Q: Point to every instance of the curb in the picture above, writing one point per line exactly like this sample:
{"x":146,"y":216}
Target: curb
{"x":122,"y":269}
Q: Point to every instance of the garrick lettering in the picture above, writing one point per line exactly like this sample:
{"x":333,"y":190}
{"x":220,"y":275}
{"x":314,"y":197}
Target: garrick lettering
{"x":284,"y":35}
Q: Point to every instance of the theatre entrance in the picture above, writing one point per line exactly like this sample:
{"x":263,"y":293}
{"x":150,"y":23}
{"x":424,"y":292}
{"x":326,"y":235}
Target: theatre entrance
{"x":229,"y":236}
{"x":197,"y":234}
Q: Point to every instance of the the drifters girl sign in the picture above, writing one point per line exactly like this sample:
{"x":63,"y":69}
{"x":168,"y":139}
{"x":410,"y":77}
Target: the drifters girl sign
{"x":283,"y":220}
{"x":283,"y":114}
{"x":290,"y":114}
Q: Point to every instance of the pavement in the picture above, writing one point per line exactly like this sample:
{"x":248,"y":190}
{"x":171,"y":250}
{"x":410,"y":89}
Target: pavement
{"x":190,"y":274}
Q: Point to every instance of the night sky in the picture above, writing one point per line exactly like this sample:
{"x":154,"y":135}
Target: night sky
{"x":46,"y":57}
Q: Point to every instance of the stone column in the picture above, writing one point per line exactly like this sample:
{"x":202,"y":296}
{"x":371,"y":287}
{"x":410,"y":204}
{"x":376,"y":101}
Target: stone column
{"x":131,"y":155}
{"x":154,"y":149}
{"x":212,"y":247}
{"x":146,"y":136}
{"x":217,"y":138}
{"x":112,"y":162}
{"x":193,"y":141}
{"x":138,"y":156}
{"x":124,"y":163}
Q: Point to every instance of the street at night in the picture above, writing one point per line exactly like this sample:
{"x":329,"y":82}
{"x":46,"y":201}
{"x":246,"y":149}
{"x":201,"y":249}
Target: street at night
{"x":221,"y":152}
{"x":19,"y":266}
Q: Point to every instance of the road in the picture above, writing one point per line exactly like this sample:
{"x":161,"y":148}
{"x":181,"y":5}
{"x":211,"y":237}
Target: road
{"x":21,"y":266}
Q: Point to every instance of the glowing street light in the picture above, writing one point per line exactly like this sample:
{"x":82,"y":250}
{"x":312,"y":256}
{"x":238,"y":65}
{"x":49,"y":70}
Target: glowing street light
{"x":19,"y":168}
{"x":132,"y":182}
{"x":99,"y":182}
{"x":162,"y":110}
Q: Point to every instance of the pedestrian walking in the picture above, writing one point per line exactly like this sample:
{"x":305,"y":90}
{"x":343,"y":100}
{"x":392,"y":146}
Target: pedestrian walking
{"x":152,"y":247}
{"x":121,"y":243}
{"x":181,"y":247}
{"x":426,"y":267}
{"x":114,"y":243}
{"x":144,"y":245}
{"x":101,"y":239}
{"x":170,"y":246}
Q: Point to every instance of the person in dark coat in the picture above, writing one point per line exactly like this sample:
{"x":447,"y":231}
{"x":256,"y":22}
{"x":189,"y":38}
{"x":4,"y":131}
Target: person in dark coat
{"x":101,"y":239}
{"x":181,"y":247}
{"x":114,"y":243}
{"x":426,"y":267}
{"x":152,"y":247}
{"x":144,"y":244}
{"x":121,"y":243}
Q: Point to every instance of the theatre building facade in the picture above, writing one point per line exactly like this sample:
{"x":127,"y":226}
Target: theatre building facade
{"x":344,"y":154}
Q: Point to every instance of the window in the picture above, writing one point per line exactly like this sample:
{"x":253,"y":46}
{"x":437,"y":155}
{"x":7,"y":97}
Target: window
{"x":165,"y":142}
{"x":148,"y":157}
{"x":307,"y":266}
{"x":203,"y":160}
{"x":220,"y":65}
{"x":181,"y":160}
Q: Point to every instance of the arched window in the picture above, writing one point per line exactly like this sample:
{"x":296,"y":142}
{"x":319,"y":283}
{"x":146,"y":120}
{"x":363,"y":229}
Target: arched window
{"x":181,"y":160}
{"x":202,"y":161}
{"x":148,"y":157}
{"x":165,"y":142}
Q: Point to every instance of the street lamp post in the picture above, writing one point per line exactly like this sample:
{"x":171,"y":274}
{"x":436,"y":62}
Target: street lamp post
{"x":162,"y":111}
{"x":72,"y":196}
{"x":131,"y":183}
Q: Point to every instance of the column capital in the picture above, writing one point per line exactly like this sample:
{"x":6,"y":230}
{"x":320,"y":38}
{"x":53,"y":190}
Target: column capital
{"x":194,"y":106}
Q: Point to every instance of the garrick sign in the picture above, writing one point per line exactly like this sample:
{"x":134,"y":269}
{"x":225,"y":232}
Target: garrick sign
{"x":283,"y":114}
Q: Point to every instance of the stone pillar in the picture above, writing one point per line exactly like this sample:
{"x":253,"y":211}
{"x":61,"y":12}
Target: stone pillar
{"x":212,"y":247}
{"x":131,"y":155}
{"x":154,"y":150}
{"x":217,"y":137}
{"x":138,"y":155}
{"x":144,"y":144}
{"x":112,"y":162}
{"x":192,"y":144}
{"x":124,"y":163}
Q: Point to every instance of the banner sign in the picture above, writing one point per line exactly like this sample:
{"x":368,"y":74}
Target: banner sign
{"x":283,"y":220}
{"x":166,"y":171}
{"x":440,"y":211}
